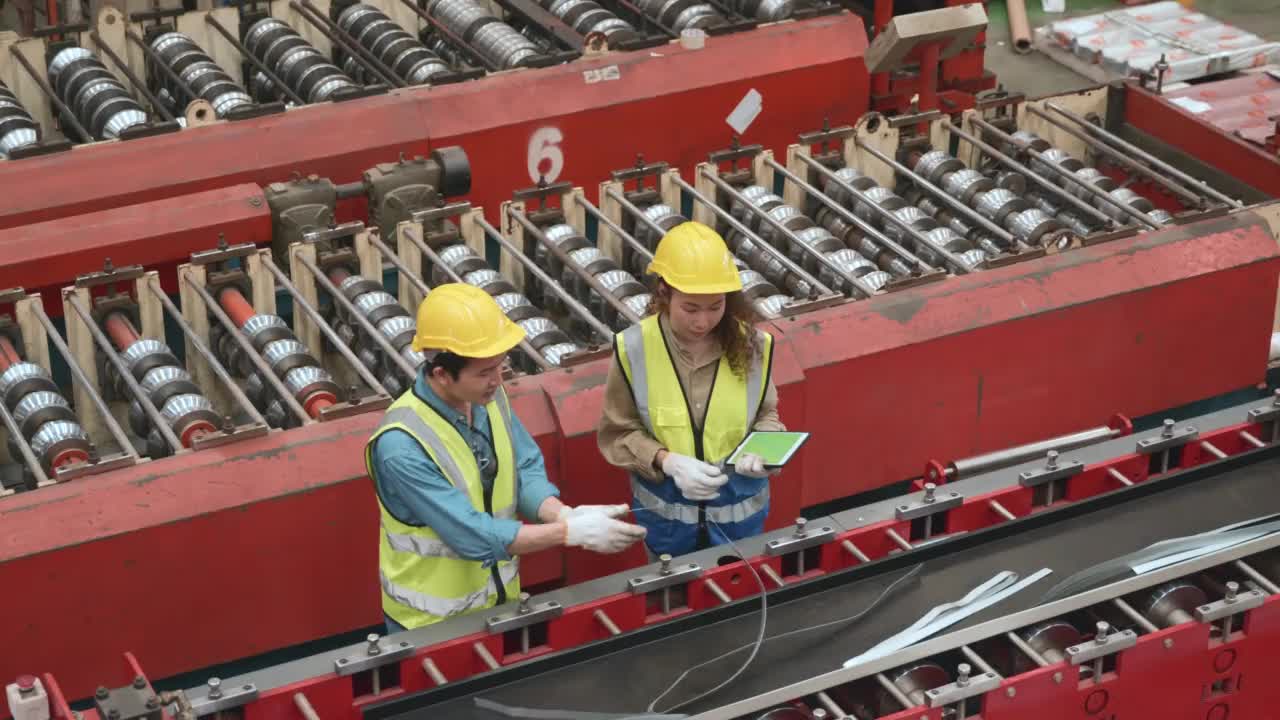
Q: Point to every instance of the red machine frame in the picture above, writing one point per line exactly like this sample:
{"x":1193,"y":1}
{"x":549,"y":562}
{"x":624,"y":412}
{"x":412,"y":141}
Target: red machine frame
{"x":1176,"y":672}
{"x":1101,"y":320}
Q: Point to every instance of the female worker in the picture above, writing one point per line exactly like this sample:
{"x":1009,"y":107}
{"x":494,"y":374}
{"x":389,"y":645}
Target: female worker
{"x":687,"y":384}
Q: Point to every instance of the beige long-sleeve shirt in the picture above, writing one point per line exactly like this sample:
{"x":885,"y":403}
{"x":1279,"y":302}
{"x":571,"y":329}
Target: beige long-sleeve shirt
{"x":621,"y":435}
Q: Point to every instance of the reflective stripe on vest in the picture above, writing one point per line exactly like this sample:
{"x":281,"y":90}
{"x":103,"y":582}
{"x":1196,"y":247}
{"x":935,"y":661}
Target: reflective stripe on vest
{"x":423,"y":579}
{"x":436,"y":607}
{"x":688,"y":514}
{"x":660,"y":399}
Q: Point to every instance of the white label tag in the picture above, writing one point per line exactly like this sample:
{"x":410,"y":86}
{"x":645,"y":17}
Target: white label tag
{"x":596,"y":75}
{"x":1191,"y":104}
{"x":746,"y":112}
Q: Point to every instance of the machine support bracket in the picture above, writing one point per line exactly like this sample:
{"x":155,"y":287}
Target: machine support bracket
{"x":1219,"y":609}
{"x":375,"y":655}
{"x":802,"y":539}
{"x":678,"y":575}
{"x":1050,"y":473}
{"x":524,"y":616}
{"x":1093,"y":650}
{"x":952,"y":693}
{"x":1179,"y":436}
{"x":930,"y":504}
{"x":220,"y":699}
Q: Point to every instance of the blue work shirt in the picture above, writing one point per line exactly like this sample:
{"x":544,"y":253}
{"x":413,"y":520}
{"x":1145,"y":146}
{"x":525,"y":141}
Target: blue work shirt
{"x":415,"y":491}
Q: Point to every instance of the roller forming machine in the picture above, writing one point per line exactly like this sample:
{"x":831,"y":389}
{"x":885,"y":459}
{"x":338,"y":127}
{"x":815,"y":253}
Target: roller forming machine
{"x":227,"y":389}
{"x":217,"y":376}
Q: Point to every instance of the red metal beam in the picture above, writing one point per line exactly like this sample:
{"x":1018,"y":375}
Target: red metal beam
{"x":669,"y":100}
{"x":1165,"y":121}
{"x":42,"y":257}
{"x":968,"y":365}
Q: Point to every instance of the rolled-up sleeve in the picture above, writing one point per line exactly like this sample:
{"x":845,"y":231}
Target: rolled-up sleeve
{"x":535,"y":486}
{"x":415,"y":490}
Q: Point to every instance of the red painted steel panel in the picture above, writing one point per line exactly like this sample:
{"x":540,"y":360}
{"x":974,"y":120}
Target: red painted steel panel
{"x":669,"y":100}
{"x":1251,"y":100}
{"x":159,"y":234}
{"x":1006,"y":356}
{"x":285,"y":525}
{"x":1183,"y":130}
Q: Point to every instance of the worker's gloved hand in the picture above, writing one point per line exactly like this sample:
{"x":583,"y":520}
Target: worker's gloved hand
{"x":599,"y":533}
{"x":697,"y":480}
{"x":751,"y":465}
{"x":611,"y":511}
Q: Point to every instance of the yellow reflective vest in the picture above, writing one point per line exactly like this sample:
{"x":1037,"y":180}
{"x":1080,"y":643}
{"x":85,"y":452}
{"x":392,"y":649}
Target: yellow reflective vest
{"x":423,"y":580}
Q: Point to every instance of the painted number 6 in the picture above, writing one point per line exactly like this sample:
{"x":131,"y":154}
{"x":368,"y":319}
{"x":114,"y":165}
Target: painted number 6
{"x":546,"y":160}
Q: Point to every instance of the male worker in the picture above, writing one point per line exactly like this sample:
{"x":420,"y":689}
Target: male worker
{"x":453,"y":466}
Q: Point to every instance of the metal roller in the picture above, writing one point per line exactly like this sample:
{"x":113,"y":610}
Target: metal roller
{"x":882,"y":196}
{"x":99,"y":101}
{"x":588,"y":16}
{"x":295,"y":61}
{"x":965,"y":184}
{"x":17,"y":128}
{"x":1127,"y":197}
{"x":996,"y":205}
{"x":1174,"y":603}
{"x":1034,"y":226}
{"x":1050,"y":640}
{"x":42,"y":414}
{"x":201,"y":74}
{"x":499,"y":43}
{"x":397,"y":49}
{"x":937,"y":164}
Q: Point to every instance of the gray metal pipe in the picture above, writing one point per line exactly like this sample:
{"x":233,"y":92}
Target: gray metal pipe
{"x":325,"y":329}
{"x":1008,"y":457}
{"x":1146,"y":156}
{"x":554,"y":285}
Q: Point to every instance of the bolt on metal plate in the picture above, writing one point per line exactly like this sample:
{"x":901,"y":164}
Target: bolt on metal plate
{"x":441,"y":213}
{"x":931,"y":503}
{"x":378,"y":652}
{"x":1266,"y":413}
{"x":1052,"y":471}
{"x":1171,"y":437}
{"x":676,"y":575}
{"x":952,"y":693}
{"x":802,"y":539}
{"x":344,"y":230}
{"x":523,"y":616}
{"x":224,"y":697}
{"x":1247,"y":600}
{"x":1092,"y":650}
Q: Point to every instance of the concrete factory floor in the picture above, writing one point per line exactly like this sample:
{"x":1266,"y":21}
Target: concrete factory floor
{"x":1037,"y":74}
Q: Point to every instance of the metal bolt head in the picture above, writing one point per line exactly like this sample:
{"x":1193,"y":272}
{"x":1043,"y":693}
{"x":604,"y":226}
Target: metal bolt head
{"x":963,"y":678}
{"x":1052,"y":458}
{"x":153,"y":702}
{"x":1168,"y":643}
{"x":665,"y":559}
{"x":102,"y":693}
{"x":1168,"y":428}
{"x":524,"y":602}
{"x":1011,"y":692}
{"x":1277,"y":400}
{"x":215,"y":688}
{"x":1232,"y":588}
{"x":1057,"y":678}
{"x":929,"y":489}
{"x":1103,"y":629}
{"x":819,"y":714}
{"x":800,"y":523}
{"x":373,"y":644}
{"x":113,"y":714}
{"x":139,"y":682}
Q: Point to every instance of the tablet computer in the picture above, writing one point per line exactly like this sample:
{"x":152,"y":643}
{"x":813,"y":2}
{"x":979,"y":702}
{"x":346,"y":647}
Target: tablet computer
{"x":776,"y":448}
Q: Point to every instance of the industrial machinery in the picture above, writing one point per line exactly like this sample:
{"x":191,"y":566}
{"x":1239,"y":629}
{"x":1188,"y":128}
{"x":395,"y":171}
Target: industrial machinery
{"x":255,"y":92}
{"x":1163,"y":605}
{"x":941,"y":283}
{"x":876,"y":252}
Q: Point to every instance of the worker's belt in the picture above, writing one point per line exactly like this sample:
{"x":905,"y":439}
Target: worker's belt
{"x":688,"y":514}
{"x":447,"y":607}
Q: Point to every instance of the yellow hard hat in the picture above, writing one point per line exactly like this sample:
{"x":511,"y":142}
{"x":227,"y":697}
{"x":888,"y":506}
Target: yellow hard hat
{"x":466,"y":321}
{"x":694,"y":259}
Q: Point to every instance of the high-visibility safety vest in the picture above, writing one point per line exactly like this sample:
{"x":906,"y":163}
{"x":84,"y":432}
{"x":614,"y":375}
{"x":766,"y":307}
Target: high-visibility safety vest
{"x":671,"y":520}
{"x":423,"y":580}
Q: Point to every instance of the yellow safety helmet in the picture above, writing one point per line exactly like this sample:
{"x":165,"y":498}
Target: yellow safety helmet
{"x":466,"y":321}
{"x":694,"y":259}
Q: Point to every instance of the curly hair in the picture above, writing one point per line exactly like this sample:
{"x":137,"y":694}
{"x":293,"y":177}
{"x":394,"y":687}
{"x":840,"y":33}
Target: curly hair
{"x":735,"y":331}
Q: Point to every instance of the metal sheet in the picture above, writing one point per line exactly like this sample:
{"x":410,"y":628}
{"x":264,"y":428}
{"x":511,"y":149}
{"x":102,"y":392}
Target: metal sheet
{"x":1234,"y":105}
{"x":1092,"y":538}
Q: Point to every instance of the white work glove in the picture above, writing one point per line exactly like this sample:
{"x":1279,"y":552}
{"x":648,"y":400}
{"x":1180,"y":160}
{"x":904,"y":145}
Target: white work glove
{"x":599,"y":533}
{"x":697,"y":480}
{"x":751,"y":465}
{"x":611,"y":511}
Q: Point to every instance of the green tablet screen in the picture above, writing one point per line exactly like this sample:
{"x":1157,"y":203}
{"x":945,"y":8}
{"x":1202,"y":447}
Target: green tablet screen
{"x":775,"y":447}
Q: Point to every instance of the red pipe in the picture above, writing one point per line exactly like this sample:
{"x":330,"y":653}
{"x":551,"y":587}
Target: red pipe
{"x":236,"y":306}
{"x":8,"y":354}
{"x":318,"y":401}
{"x":121,"y":331}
